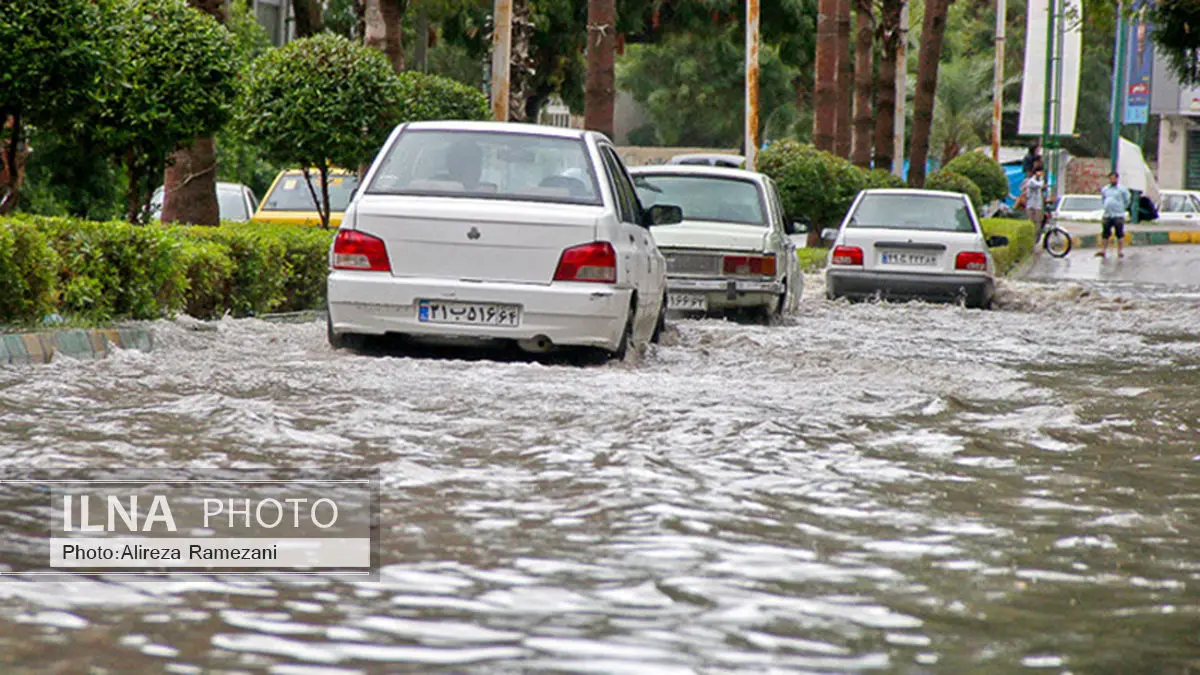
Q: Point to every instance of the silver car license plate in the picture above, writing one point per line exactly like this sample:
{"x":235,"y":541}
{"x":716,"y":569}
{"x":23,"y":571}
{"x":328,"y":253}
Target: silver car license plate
{"x":910,"y":259}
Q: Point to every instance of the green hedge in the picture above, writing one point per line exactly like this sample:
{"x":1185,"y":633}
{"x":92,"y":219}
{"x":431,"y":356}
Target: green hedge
{"x":102,"y":271}
{"x":811,"y":182}
{"x":984,"y":172}
{"x":949,"y":181}
{"x":1020,"y":241}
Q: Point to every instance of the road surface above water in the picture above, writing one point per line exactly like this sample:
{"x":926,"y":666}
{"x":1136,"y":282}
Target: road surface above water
{"x":1177,"y":264}
{"x":885,"y":488}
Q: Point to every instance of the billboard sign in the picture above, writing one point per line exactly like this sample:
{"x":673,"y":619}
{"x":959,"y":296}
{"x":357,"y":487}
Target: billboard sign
{"x":1139,"y":68}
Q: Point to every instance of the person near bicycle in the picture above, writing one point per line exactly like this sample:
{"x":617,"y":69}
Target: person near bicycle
{"x":1034,"y":192}
{"x":1117,"y":200}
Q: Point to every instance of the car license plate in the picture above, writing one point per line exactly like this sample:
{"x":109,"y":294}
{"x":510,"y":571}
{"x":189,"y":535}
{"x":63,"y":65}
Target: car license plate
{"x":694,"y":302}
{"x":473,"y":313}
{"x":909,"y":259}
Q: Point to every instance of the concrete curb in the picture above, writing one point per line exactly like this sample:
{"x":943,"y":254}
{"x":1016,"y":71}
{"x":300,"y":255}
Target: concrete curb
{"x":1145,"y":238}
{"x":94,"y":343}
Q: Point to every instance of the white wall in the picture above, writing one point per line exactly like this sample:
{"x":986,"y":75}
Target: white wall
{"x":1172,"y":152}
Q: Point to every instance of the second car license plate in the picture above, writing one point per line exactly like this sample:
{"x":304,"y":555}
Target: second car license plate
{"x":691,"y":302}
{"x":474,"y":313}
{"x":912,"y":259}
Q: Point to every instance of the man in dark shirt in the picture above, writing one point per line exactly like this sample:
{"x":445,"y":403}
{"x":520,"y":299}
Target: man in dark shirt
{"x":1031,"y":158}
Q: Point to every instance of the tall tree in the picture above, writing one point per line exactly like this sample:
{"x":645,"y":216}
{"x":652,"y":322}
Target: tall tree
{"x":885,"y":91}
{"x":382,"y":29}
{"x":600,"y":89}
{"x":845,"y":81}
{"x":826,"y":93}
{"x":864,"y":81}
{"x":933,"y":31}
{"x":190,"y":180}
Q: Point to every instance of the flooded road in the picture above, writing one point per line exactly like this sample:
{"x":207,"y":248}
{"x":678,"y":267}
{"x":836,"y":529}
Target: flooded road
{"x":882,"y":488}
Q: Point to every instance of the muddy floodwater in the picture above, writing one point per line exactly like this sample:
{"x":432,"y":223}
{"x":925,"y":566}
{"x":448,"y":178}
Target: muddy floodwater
{"x":868,"y":488}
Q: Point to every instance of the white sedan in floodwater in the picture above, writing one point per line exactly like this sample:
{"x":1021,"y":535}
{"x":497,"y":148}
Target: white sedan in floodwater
{"x":525,"y":234}
{"x":733,"y":250}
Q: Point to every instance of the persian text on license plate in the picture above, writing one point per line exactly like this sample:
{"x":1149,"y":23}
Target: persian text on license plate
{"x":913,"y":259}
{"x":474,"y":313}
{"x":694,"y":302}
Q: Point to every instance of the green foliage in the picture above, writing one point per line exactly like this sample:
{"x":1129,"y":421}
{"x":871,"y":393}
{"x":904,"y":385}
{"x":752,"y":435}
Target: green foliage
{"x":1021,"y":241}
{"x":1175,"y":23}
{"x":882,"y":178}
{"x":693,"y":88}
{"x":812,"y":259}
{"x":68,"y":174}
{"x":424,"y":97}
{"x":319,"y":102}
{"x":176,"y":82}
{"x":949,"y":181}
{"x":27,"y":266}
{"x":239,"y":161}
{"x":811,"y":182}
{"x":984,"y":171}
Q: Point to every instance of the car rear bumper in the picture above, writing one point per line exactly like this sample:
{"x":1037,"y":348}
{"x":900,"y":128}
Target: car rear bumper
{"x":569,"y":314}
{"x":723,"y":292}
{"x":975,"y":290}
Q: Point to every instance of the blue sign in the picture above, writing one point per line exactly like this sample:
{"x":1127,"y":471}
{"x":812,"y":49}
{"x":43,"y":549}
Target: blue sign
{"x":1138,"y":68}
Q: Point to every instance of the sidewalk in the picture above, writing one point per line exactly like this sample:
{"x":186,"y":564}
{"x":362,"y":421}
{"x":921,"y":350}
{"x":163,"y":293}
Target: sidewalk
{"x":1087,"y":234}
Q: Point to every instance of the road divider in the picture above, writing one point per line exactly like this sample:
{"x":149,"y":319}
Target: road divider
{"x":93,"y":343}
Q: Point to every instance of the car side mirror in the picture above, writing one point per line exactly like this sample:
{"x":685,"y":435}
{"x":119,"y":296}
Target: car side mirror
{"x":829,"y":234}
{"x":799,"y":225}
{"x":996,"y":241}
{"x":662,"y":214}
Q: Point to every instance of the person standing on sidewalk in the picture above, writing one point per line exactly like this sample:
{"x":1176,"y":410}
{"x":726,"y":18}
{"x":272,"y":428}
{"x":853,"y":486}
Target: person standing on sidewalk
{"x":1031,"y":160}
{"x":1034,"y":192}
{"x":1117,"y":201}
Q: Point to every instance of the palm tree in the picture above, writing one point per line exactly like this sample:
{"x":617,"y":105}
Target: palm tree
{"x":962,"y":118}
{"x":845,"y":81}
{"x":600,"y":88}
{"x":885,"y":97}
{"x":825,"y":86}
{"x":933,"y":32}
{"x":864,"y":81}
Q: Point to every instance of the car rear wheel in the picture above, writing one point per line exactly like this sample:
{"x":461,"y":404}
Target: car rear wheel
{"x":341,"y":340}
{"x":661,"y":324}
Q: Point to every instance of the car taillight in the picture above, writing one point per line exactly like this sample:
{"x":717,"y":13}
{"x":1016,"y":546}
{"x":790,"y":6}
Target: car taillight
{"x":354,"y":250}
{"x":747,"y":265}
{"x":971,"y":260}
{"x":847,"y":255}
{"x":596,"y":262}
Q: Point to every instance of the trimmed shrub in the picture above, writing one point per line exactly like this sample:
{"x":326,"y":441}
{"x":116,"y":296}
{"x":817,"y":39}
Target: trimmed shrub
{"x":426,"y":97}
{"x":881,"y":178}
{"x":948,"y":181}
{"x":812,"y":259}
{"x":27,"y":268}
{"x":984,"y":171}
{"x":811,"y":182}
{"x":1021,"y":240}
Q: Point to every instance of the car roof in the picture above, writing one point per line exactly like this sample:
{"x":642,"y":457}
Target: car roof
{"x":914,"y":192}
{"x":697,"y":170}
{"x":499,"y":127}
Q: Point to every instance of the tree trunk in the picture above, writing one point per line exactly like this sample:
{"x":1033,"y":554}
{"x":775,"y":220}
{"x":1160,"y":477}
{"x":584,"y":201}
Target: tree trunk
{"x":825,"y":83}
{"x":885,"y":91}
{"x":190,"y":179}
{"x":308,"y":17}
{"x":933,"y":30}
{"x":864,"y":78}
{"x":600,"y":91}
{"x":382,"y":27}
{"x":521,"y":65}
{"x":845,"y":81}
{"x":12,"y":163}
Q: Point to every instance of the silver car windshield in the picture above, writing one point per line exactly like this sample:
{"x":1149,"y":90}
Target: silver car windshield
{"x":1081,"y":204}
{"x":231,"y":203}
{"x":711,"y":198}
{"x":488,"y":165}
{"x":912,"y":212}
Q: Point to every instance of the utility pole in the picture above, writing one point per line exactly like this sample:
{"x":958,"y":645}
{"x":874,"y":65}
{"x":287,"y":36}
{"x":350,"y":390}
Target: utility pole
{"x":998,"y":82}
{"x":901,"y":94}
{"x":501,"y":58}
{"x":751,"y":134}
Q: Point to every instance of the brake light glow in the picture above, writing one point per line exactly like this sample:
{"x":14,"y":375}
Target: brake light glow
{"x":847,"y":255}
{"x":354,"y":250}
{"x":749,"y":265}
{"x":595,"y":262}
{"x":971,"y":260}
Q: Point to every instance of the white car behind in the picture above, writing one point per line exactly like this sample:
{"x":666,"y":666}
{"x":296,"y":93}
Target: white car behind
{"x":912,"y":244}
{"x":1178,"y":207}
{"x":1087,"y":208}
{"x":498,"y":232}
{"x":733,"y":249}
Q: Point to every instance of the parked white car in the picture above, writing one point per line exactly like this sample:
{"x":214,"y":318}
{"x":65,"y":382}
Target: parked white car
{"x":1178,"y":207}
{"x":235,"y":201}
{"x":912,"y":244}
{"x":495,"y":231}
{"x":1086,"y":208}
{"x":733,"y":249}
{"x":708,"y":159}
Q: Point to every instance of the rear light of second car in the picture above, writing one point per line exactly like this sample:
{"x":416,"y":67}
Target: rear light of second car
{"x":595,"y":262}
{"x":847,"y":255}
{"x":973,"y":261}
{"x":354,"y":250}
{"x":749,"y":265}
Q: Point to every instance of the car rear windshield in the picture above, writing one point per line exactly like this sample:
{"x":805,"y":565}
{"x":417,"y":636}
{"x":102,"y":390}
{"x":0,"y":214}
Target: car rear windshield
{"x":1081,"y":204}
{"x":913,"y":212}
{"x":231,"y":203}
{"x":291,"y":193}
{"x":488,"y":165}
{"x":723,"y":200}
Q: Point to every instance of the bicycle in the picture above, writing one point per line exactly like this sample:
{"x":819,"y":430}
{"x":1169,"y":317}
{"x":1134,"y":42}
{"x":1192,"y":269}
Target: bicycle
{"x":1055,"y":240}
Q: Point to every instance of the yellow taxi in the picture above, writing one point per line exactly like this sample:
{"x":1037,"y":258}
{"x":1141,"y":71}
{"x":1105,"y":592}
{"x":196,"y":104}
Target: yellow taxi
{"x":289,"y":202}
